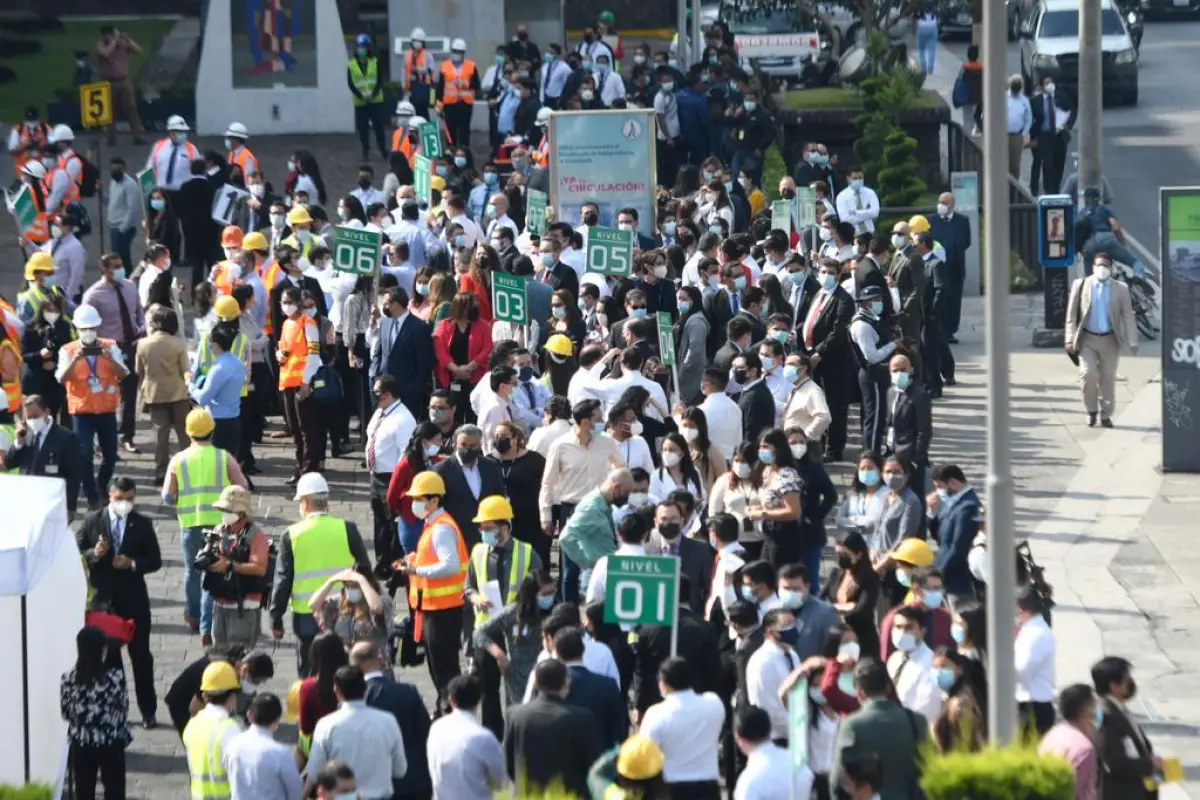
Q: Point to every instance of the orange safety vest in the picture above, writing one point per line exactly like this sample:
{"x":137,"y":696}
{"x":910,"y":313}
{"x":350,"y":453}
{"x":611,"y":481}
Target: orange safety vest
{"x":245,"y":160}
{"x":25,"y":140}
{"x":298,"y":343}
{"x":269,"y":272}
{"x":457,"y":82}
{"x":189,"y":148}
{"x":91,"y":389}
{"x":410,"y":66}
{"x":541,"y":156}
{"x":12,"y":389}
{"x":72,"y":195}
{"x":436,"y":594}
{"x":401,"y":144}
{"x":223,"y":283}
{"x":39,"y":233}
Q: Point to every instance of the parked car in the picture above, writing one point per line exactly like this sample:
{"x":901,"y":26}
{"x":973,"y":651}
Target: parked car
{"x":1169,"y":8}
{"x":1050,"y":48}
{"x":847,"y":27}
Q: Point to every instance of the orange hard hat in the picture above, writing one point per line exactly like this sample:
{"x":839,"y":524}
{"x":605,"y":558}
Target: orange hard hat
{"x":231,"y":236}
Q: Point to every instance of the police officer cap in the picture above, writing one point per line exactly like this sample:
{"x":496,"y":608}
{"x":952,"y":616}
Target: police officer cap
{"x":869,"y":293}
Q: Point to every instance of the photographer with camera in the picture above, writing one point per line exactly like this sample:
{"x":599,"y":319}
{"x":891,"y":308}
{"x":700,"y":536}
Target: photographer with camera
{"x":234,"y":560}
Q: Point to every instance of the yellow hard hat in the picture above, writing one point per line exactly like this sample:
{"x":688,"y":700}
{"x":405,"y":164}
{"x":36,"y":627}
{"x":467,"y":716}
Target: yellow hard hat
{"x":226,"y":308}
{"x":427,"y":484}
{"x":918,"y":224}
{"x":39,"y":262}
{"x":913,"y":551}
{"x":560,"y":345}
{"x":437,"y":183}
{"x":494,"y":509}
{"x":219,"y":676}
{"x":255,"y":241}
{"x":199,"y":423}
{"x":639,"y":758}
{"x":299,"y":216}
{"x":291,"y":709}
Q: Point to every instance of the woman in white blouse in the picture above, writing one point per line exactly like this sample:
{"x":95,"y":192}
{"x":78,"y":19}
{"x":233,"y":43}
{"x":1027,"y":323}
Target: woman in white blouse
{"x":737,"y":490}
{"x":863,"y":506}
{"x":624,"y":427}
{"x":716,"y":205}
{"x":677,"y":472}
{"x":709,"y":461}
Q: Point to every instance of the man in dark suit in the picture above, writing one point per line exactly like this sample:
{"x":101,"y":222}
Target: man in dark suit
{"x":1049,"y":136}
{"x":814,"y":166}
{"x":884,"y":727}
{"x":955,"y":523}
{"x":737,"y":341}
{"x":467,"y":468}
{"x":909,"y":424}
{"x":548,"y":739}
{"x":508,"y":251}
{"x":1124,"y":749}
{"x":553,"y":272}
{"x":193,"y":205}
{"x":906,"y":272}
{"x":537,"y":294}
{"x":695,"y":557}
{"x":935,"y":346}
{"x":736,"y":650}
{"x":724,"y":303}
{"x":824,"y":335}
{"x":596,"y":693}
{"x":751,"y":308}
{"x":402,"y":701}
{"x":121,"y":548}
{"x":756,"y":401}
{"x":652,"y":646}
{"x":627,"y":219}
{"x":404,"y":350}
{"x":953,"y":232}
{"x":868,"y":271}
{"x":289,"y":261}
{"x":45,"y":449}
{"x":250,"y":212}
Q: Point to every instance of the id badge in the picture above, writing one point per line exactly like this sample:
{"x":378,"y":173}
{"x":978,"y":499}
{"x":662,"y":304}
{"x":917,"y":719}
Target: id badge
{"x":94,"y":385}
{"x":52,"y":469}
{"x":455,"y":386}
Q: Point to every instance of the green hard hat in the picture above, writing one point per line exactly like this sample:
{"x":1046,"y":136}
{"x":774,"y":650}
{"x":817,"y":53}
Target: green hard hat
{"x":607,"y":18}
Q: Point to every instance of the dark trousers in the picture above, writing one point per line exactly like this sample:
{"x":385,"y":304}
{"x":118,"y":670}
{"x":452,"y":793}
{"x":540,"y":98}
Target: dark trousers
{"x":384,"y":521}
{"x":873,"y":384}
{"x":252,"y":419}
{"x":301,"y":418}
{"x":667,"y":156}
{"x":129,"y":394}
{"x":364,"y":118}
{"x":338,"y":416}
{"x":837,"y":395}
{"x":441,"y":631}
{"x":458,"y":121}
{"x":1049,"y":159}
{"x":142,"y":662}
{"x":954,"y":296}
{"x":108,"y":761}
{"x":568,"y":569}
{"x":304,"y":626}
{"x":122,"y":245}
{"x":488,"y":673}
{"x":695,"y":790}
{"x":227,"y":434}
{"x":1039,"y":716}
{"x":88,"y":428}
{"x":935,"y":352}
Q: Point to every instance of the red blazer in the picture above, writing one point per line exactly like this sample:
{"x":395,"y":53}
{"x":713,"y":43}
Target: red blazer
{"x":467,"y":283}
{"x":478,"y":350}
{"x":397,"y":492}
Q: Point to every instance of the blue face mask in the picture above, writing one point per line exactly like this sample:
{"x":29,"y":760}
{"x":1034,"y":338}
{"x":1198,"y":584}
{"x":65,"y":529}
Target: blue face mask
{"x":856,"y":184}
{"x":547,"y":259}
{"x":901,"y":380}
{"x":739,"y":282}
{"x":441,"y":169}
{"x":779,"y":336}
{"x":877,"y":307}
{"x":707,"y":175}
{"x":828,"y":281}
{"x":943,"y":493}
{"x":791,"y":598}
{"x":868,"y":477}
{"x":119,"y":274}
{"x":431,"y":450}
{"x":846,"y":683}
{"x":354,"y":595}
{"x":637,"y":313}
{"x":684,"y":308}
{"x":545,"y":602}
{"x":460,"y":240}
{"x":790,"y":373}
{"x":158,"y":204}
{"x":958,"y":633}
{"x":597,"y":428}
{"x":1098,"y":720}
{"x":490,"y":538}
{"x":766,"y":455}
{"x":933,"y":598}
{"x":460,"y":161}
{"x":945,"y":678}
{"x":526,"y":374}
{"x":490,"y":178}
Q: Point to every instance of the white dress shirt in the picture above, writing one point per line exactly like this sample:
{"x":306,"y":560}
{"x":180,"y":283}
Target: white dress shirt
{"x":687,"y":728}
{"x":149,"y":276}
{"x":576,"y":260}
{"x":636,"y":453}
{"x":465,"y":759}
{"x":615,"y":387}
{"x":597,"y":658}
{"x":71,"y":259}
{"x":595,"y":279}
{"x":729,"y":560}
{"x":916,"y":686}
{"x":553,"y":79}
{"x":781,"y":389}
{"x":182,"y":154}
{"x":859,"y":207}
{"x":691,"y":270}
{"x":493,"y":410}
{"x":662,"y":484}
{"x":666,"y":106}
{"x":502,"y":221}
{"x":545,"y":435}
{"x":390,"y":431}
{"x":1034,"y":651}
{"x":470,"y":229}
{"x":528,"y":402}
{"x":368,"y":196}
{"x":765,"y":673}
{"x":598,"y":583}
{"x":367,"y":740}
{"x":586,"y":384}
{"x":769,"y":775}
{"x":610,"y":86}
{"x":724,"y":422}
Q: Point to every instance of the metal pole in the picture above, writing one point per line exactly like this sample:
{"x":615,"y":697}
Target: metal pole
{"x":1091,"y":94}
{"x":681,"y":29}
{"x":697,"y":45}
{"x":1001,"y":582}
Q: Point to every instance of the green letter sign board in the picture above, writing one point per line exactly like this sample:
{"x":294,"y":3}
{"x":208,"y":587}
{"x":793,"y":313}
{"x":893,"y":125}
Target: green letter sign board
{"x":423,"y":180}
{"x":509,"y":298}
{"x":609,"y":251}
{"x":666,"y":338}
{"x":781,"y":215}
{"x":806,"y":207}
{"x":145,"y":180}
{"x":24,"y":210}
{"x":431,"y":140}
{"x":356,"y":250}
{"x":535,"y":212}
{"x":642,"y":590}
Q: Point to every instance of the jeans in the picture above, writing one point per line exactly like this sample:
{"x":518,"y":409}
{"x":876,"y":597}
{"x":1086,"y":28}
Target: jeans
{"x":1107,"y":242}
{"x":745,"y":161}
{"x":927,"y":39}
{"x":198,"y":603}
{"x":568,"y":569}
{"x":410,"y":534}
{"x":122,"y":245}
{"x":88,"y":428}
{"x":811,"y":559}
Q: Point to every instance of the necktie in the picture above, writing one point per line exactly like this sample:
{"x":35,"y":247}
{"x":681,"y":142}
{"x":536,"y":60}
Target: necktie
{"x":733,"y":302}
{"x":546,"y":80}
{"x":528,"y":387}
{"x":858,"y":199}
{"x":812,"y":319}
{"x":373,"y":428}
{"x":127,"y":329}
{"x":171,"y":165}
{"x":1050,"y":112}
{"x":117,"y":534}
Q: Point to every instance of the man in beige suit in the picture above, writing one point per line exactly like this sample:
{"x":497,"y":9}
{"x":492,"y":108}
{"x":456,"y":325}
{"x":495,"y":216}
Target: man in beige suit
{"x":1100,"y":323}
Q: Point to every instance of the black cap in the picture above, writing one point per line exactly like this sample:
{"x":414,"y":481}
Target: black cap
{"x":870,"y":293}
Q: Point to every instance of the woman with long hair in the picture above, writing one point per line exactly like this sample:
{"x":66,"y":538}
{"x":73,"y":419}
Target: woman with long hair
{"x":40,"y":343}
{"x":736,"y":492}
{"x":565,"y":318}
{"x":95,"y":705}
{"x":478,"y":280}
{"x":519,"y":626}
{"x":779,"y":512}
{"x":420,"y":456}
{"x":441,"y":295}
{"x":359,"y":612}
{"x":716,"y":206}
{"x":317,"y":699}
{"x":691,"y":343}
{"x":710,"y":463}
{"x":961,"y":725}
{"x":853,"y":589}
{"x":419,"y":305}
{"x":522,"y":470}
{"x":778,"y":304}
{"x":304,"y":175}
{"x":676,"y":472}
{"x":461,"y":344}
{"x":161,"y":224}
{"x":863,"y":506}
{"x":350,"y":208}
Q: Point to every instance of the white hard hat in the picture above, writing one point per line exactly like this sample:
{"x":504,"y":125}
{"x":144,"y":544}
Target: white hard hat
{"x":405,"y":109}
{"x":543,"y":116}
{"x":34,"y":169}
{"x":238,"y":130}
{"x":86,"y":317}
{"x":415,"y":121}
{"x":62,"y":133}
{"x":310,"y":482}
{"x":418,"y":34}
{"x":458,"y":46}
{"x":177,"y":123}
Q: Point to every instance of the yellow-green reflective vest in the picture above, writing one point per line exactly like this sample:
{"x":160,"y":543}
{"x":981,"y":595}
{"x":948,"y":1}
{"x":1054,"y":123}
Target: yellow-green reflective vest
{"x":241,"y":349}
{"x":200,"y":475}
{"x":202,"y":740}
{"x":320,"y":549}
{"x":293,"y":241}
{"x":33,"y":297}
{"x":8,"y":435}
{"x":367,"y":82}
{"x":518,"y":568}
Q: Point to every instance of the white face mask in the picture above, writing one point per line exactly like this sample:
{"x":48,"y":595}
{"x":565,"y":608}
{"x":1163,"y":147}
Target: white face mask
{"x":229,"y":518}
{"x":38,"y":424}
{"x":277,"y":221}
{"x":420,"y":508}
{"x":51,"y":316}
{"x":288,"y":308}
{"x":742,"y":470}
{"x":258,"y":190}
{"x":89,"y":336}
{"x":691,"y":434}
{"x":826,"y":234}
{"x":1102,"y":273}
{"x":898,"y":241}
{"x":121,"y":507}
{"x":943,"y":209}
{"x":671,"y":459}
{"x":798,"y":450}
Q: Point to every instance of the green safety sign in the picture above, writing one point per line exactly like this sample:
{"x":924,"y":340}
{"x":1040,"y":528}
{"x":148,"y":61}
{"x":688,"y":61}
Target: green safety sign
{"x":806,"y":207}
{"x":423,"y":179}
{"x":145,"y":180}
{"x":609,"y":251}
{"x":642,"y":590}
{"x":356,"y":250}
{"x":535,"y":212}
{"x":509,"y":298}
{"x":431,"y":140}
{"x":666,"y":338}
{"x":781,"y":215}
{"x":798,"y":724}
{"x":24,"y":209}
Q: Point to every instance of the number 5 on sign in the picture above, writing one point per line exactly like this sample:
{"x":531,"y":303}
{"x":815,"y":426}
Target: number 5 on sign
{"x":225,"y":202}
{"x":609,"y":251}
{"x":356,"y":250}
{"x":95,"y":104}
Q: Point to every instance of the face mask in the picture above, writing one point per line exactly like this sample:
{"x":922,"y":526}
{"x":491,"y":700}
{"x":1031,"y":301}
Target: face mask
{"x":51,"y":316}
{"x":460,"y":240}
{"x":420,"y":508}
{"x":311,"y":312}
{"x":740,"y":282}
{"x":738,"y":375}
{"x":943,"y":494}
{"x":56,"y":231}
{"x":943,"y":209}
{"x":490,"y":178}
{"x":901,"y":380}
{"x":587,"y":95}
{"x":671,"y":459}
{"x":597,"y":428}
{"x":349,"y":795}
{"x":50,"y":280}
{"x":766,"y":455}
{"x":88,"y":337}
{"x":742,"y":470}
{"x":277,"y":220}
{"x":933,"y":598}
{"x":825,"y":234}
{"x":684,"y":307}
{"x":791,"y":598}
{"x":958,"y":633}
{"x":38,"y":424}
{"x":229,"y":518}
{"x":876,"y":307}
{"x":828,"y":281}
{"x":660,"y":271}
{"x":789,"y":636}
{"x":798,"y":450}
{"x":669,"y":530}
{"x":904,"y":641}
{"x":1098,"y":720}
{"x":490,"y":538}
{"x":121,"y":507}
{"x":945,"y":678}
{"x":904,"y":577}
{"x":288,"y":308}
{"x":545,"y":602}
{"x":1102,"y":273}
{"x":898,"y":241}
{"x":856,"y":184}
{"x":790,"y":373}
{"x":467,"y":455}
{"x":303,"y":235}
{"x":894,"y":481}
{"x":158,"y":204}
{"x":118,"y":274}
{"x":558,"y":312}
{"x":848,"y":652}
{"x":749,"y":105}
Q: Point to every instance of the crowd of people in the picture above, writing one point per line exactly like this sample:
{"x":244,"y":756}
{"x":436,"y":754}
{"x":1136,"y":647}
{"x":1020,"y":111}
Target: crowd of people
{"x":508,"y":463}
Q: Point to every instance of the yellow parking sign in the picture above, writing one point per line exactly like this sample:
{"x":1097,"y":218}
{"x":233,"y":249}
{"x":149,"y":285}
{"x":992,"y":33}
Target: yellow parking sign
{"x":95,"y":104}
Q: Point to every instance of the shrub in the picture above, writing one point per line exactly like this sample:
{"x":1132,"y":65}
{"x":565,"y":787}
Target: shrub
{"x":774,"y":168}
{"x":898,"y":184}
{"x":33,"y":791}
{"x":1012,"y":773}
{"x":12,"y":48}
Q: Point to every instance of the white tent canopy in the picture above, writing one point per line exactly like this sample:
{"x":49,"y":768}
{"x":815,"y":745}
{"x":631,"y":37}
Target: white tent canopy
{"x":43,"y":594}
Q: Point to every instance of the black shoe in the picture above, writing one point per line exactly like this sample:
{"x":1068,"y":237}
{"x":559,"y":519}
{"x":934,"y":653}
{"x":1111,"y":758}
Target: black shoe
{"x":952,"y":339}
{"x":149,"y":723}
{"x":1106,"y":423}
{"x":292,"y":481}
{"x":1091,"y":419}
{"x":250,"y":469}
{"x":949,"y":382}
{"x":934,"y":394}
{"x":831,"y":457}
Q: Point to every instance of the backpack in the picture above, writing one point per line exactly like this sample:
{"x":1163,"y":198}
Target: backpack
{"x":89,"y":177}
{"x":960,"y":95}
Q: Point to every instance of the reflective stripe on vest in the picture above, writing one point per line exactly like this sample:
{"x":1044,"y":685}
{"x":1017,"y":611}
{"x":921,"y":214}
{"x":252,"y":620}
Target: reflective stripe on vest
{"x":241,"y":349}
{"x":320,"y":550}
{"x":457,"y":83}
{"x":78,"y":381}
{"x":518,"y":568}
{"x":72,"y":195}
{"x":35,"y":295}
{"x":435,"y":594}
{"x":298,"y":342}
{"x":199,"y":478}
{"x":293,"y":242}
{"x":202,"y":740}
{"x":365,"y":82}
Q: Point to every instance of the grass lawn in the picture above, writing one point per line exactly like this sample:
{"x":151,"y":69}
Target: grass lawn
{"x":40,"y":76}
{"x":839,"y":97}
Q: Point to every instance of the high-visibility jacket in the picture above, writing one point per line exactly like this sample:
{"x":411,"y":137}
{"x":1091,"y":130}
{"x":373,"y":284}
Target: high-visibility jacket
{"x":72,"y":195}
{"x":12,"y":389}
{"x":417,"y":64}
{"x":188,"y":147}
{"x":92,"y":388}
{"x":39,"y":231}
{"x":201,"y":472}
{"x":223,"y":282}
{"x":436,"y":594}
{"x":39,"y":137}
{"x":205,"y":357}
{"x":366,"y":81}
{"x":301,"y":340}
{"x":34,"y":296}
{"x":320,"y":550}
{"x":293,"y":242}
{"x":402,"y":145}
{"x":202,"y":740}
{"x":540,"y":157}
{"x":269,"y":271}
{"x":244,"y":159}
{"x":8,"y":435}
{"x":518,"y":568}
{"x":457,"y":83}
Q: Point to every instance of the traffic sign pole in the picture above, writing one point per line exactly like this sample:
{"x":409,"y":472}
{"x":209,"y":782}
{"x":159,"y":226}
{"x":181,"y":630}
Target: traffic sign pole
{"x":675,"y":616}
{"x":96,"y":112}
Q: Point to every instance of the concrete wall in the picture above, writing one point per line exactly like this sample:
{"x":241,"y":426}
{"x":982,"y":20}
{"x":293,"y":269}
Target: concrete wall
{"x":323,"y":105}
{"x":479,"y":22}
